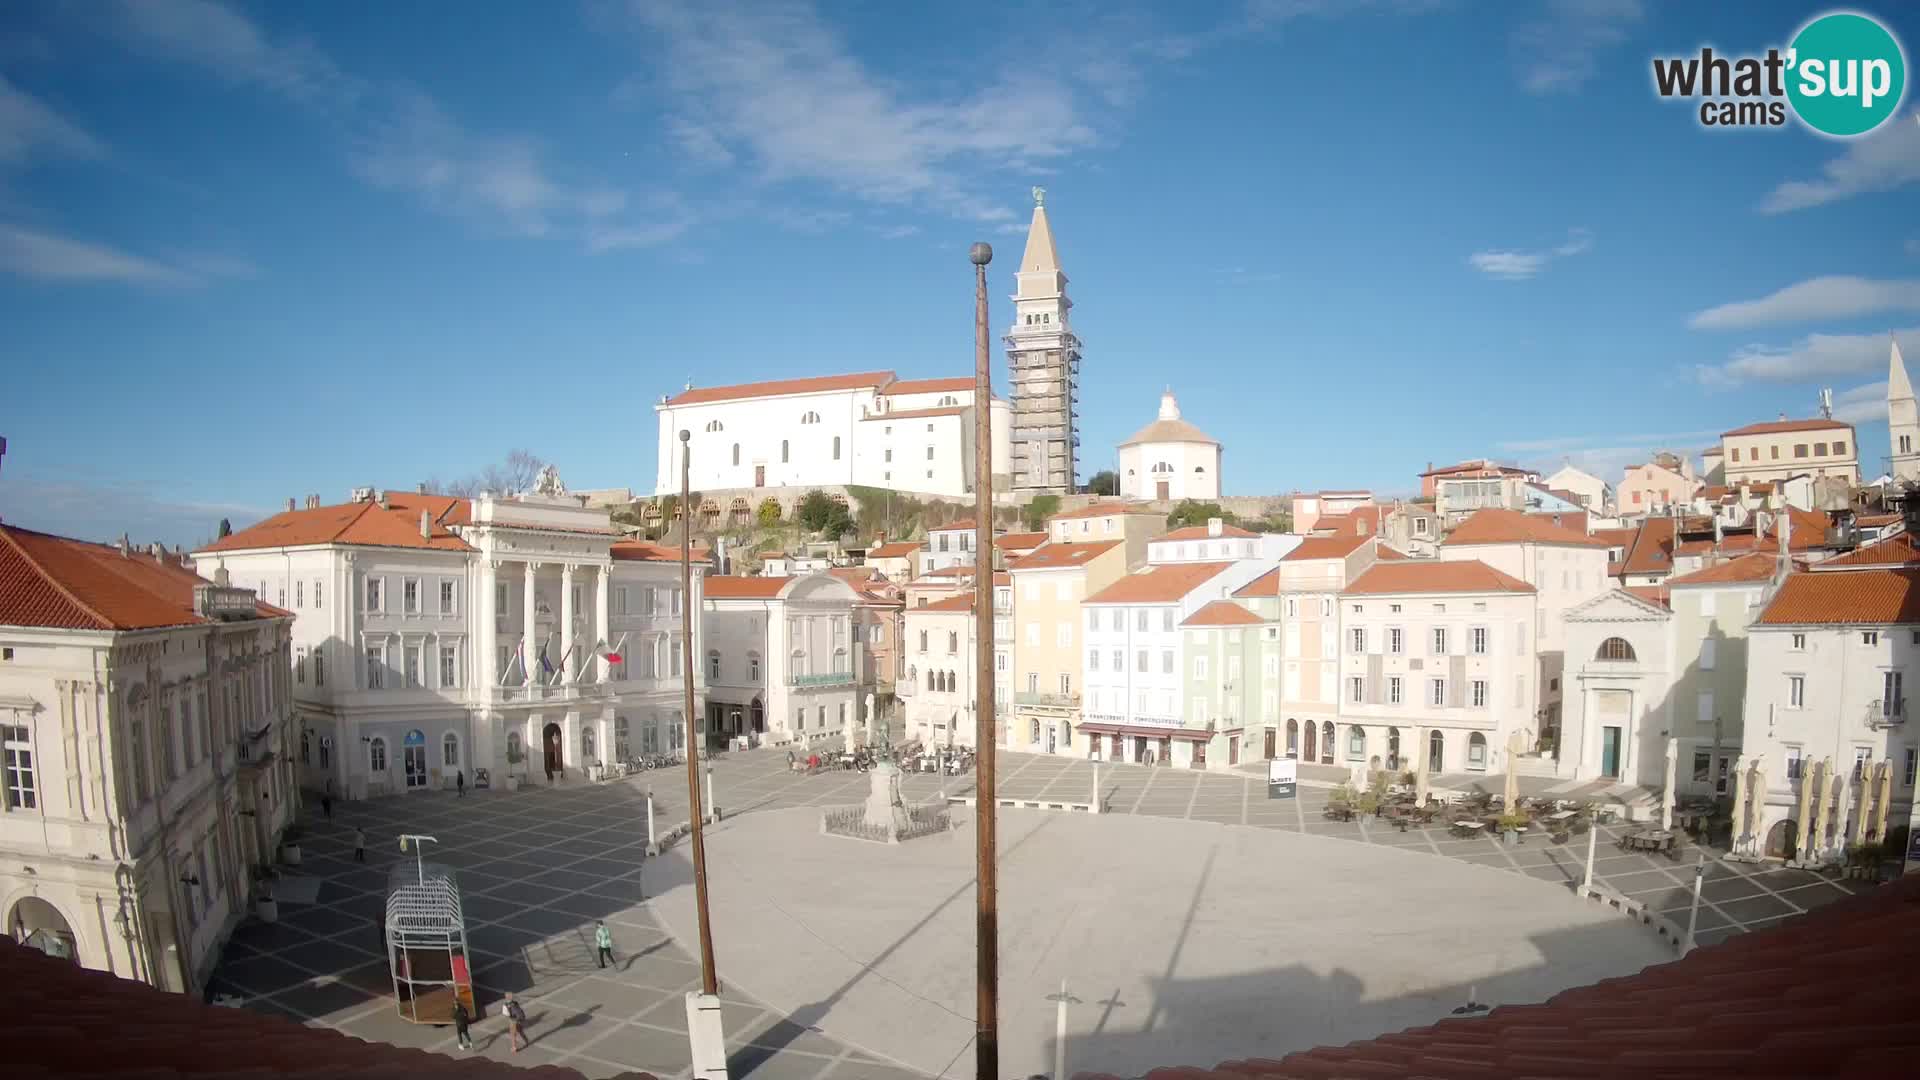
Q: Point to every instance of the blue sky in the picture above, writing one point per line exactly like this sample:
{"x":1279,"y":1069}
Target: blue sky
{"x":252,"y":251}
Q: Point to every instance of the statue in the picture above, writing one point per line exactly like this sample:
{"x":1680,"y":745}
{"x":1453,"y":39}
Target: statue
{"x":1039,"y":196}
{"x":548,"y":483}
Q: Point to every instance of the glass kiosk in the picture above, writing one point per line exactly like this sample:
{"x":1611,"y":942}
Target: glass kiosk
{"x":427,"y":944}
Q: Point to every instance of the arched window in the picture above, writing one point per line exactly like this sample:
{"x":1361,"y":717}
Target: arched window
{"x":1356,"y":743}
{"x":715,"y":425}
{"x":1393,"y":749}
{"x":913,"y":675}
{"x":586,"y":743}
{"x":1033,"y":736}
{"x":930,"y":678}
{"x":947,"y":400}
{"x":1615,"y":648}
{"x":513,"y":745}
{"x":810,"y":418}
{"x":783,"y":451}
{"x":836,"y":448}
{"x":450,"y":750}
{"x":377,"y":755}
{"x":1436,"y":752}
{"x":1326,"y":743}
{"x":1476,"y":751}
{"x":1293,"y":738}
{"x":713,"y":665}
{"x":1199,"y":468}
{"x":736,"y":453}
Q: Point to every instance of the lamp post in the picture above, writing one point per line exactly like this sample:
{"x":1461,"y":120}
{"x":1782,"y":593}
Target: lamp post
{"x":419,"y":859}
{"x":987,"y":918}
{"x":1693,"y":912}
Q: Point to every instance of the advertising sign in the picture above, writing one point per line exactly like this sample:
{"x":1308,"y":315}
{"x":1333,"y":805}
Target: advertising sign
{"x":1282,"y":774}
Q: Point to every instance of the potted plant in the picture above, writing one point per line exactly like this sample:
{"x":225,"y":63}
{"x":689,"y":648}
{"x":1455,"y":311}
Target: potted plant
{"x":1510,"y":824}
{"x":265,"y":907}
{"x":290,"y":845}
{"x":514,"y":757}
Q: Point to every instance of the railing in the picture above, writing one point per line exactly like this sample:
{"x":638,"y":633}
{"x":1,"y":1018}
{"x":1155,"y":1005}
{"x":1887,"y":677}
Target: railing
{"x":831,"y":678}
{"x":1885,"y":713}
{"x":1056,"y":701}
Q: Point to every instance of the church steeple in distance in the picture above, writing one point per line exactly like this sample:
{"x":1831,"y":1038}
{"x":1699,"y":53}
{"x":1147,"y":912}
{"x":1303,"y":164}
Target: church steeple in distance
{"x":1043,"y":356}
{"x":1903,"y":420}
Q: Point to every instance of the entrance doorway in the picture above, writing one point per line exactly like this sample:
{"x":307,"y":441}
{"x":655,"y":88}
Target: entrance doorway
{"x":413,"y":755}
{"x":1272,"y":738}
{"x":1053,"y":738}
{"x":759,"y":476}
{"x":1199,"y":755}
{"x":1140,"y":749}
{"x":1161,"y":491}
{"x":1783,"y":839}
{"x":1610,"y":752}
{"x":1306,"y":748}
{"x":1233,"y":749}
{"x":550,"y":745}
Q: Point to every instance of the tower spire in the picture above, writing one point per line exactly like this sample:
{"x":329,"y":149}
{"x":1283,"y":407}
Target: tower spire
{"x":1903,"y":418}
{"x":1040,"y":256}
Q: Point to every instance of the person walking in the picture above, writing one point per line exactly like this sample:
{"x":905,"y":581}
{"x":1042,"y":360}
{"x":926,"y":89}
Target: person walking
{"x":460,"y":1022}
{"x":516,"y":1018}
{"x":603,"y":942}
{"x":359,"y":844}
{"x":326,"y":801}
{"x":460,"y":784}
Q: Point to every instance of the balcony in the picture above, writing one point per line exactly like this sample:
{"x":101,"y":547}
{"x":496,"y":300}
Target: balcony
{"x":1047,"y":701}
{"x":1886,"y":713}
{"x":816,"y":682}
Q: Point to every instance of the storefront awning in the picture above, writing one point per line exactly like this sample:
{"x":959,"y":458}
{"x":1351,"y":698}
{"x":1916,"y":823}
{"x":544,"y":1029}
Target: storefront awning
{"x":1137,"y":730}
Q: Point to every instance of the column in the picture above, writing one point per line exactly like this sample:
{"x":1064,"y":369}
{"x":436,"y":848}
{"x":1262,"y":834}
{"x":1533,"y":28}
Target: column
{"x":527,"y":644}
{"x":568,"y":662}
{"x":483,"y":669}
{"x":602,"y":589}
{"x":349,"y":603}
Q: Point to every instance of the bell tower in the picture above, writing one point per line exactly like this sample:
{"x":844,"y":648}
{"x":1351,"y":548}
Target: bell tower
{"x":1903,"y":421}
{"x":1043,"y":356}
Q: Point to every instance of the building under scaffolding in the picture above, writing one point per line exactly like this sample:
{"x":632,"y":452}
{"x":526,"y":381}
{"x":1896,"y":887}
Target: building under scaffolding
{"x":427,"y":944}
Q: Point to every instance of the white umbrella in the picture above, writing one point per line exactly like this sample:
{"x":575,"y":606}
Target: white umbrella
{"x":1822,"y":804}
{"x":1739,"y":807}
{"x":1883,"y":779}
{"x":1673,"y":777}
{"x":1809,"y":772}
{"x":1514,"y":743}
{"x":1863,"y":810}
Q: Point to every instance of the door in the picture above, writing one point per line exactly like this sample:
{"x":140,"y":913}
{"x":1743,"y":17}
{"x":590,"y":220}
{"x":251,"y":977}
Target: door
{"x":1161,"y":491}
{"x":1306,"y":747}
{"x":1272,"y":738}
{"x":1053,"y":738}
{"x":759,"y":476}
{"x":1610,"y":752}
{"x":550,"y":744}
{"x":1233,"y":749}
{"x":1139,"y":748}
{"x":416,"y":762}
{"x":1199,"y":755}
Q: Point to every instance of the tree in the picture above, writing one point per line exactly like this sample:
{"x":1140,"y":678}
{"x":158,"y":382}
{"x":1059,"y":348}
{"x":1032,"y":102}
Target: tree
{"x":1188,"y":512}
{"x":769,"y":513}
{"x":1039,"y":510}
{"x":517,"y":473}
{"x":1104,"y":482}
{"x":816,"y":510}
{"x":226,"y":528}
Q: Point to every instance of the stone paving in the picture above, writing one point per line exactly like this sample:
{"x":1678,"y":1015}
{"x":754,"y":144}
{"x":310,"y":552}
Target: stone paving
{"x":537,"y":867}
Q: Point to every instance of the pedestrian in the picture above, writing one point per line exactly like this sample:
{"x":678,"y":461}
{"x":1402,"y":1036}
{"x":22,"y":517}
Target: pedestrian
{"x":460,"y":783}
{"x":460,"y":1022}
{"x":603,"y":942}
{"x":359,"y":844}
{"x":326,"y":805}
{"x":516,"y":1017}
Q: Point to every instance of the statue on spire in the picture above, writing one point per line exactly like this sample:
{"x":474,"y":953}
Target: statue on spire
{"x":1039,"y":196}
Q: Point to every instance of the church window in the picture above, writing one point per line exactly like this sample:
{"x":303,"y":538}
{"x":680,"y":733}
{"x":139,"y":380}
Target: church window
{"x":949,"y":400}
{"x":810,"y":418}
{"x":715,"y":425}
{"x":736,"y":453}
{"x":783,"y":451}
{"x":836,"y":449}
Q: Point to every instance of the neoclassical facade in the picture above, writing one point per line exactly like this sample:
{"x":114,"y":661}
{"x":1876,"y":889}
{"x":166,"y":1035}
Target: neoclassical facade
{"x":146,"y":717}
{"x":1170,"y":459}
{"x":781,"y":659}
{"x":437,"y":636}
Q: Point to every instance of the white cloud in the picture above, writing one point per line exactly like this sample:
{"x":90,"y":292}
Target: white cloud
{"x":811,"y":222}
{"x":28,"y":127}
{"x":1913,"y":246}
{"x":419,"y":149}
{"x":1887,"y":159}
{"x":1862,"y":404}
{"x":1511,"y":265}
{"x":46,"y":257}
{"x":1560,"y":51}
{"x":1831,"y":297}
{"x":224,"y":41}
{"x":1811,"y":358}
{"x":899,"y":232}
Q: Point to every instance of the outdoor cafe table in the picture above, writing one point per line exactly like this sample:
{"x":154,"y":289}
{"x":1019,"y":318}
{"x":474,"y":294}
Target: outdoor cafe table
{"x":1656,"y":840}
{"x":1465,"y":828}
{"x":1561,"y":815}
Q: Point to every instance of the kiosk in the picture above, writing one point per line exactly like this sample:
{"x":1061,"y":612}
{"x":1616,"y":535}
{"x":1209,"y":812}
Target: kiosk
{"x":427,"y":944}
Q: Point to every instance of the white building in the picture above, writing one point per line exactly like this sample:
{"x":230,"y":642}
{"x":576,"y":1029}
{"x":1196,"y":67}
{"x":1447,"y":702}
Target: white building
{"x":1619,"y":706}
{"x":439,"y":636}
{"x":1903,"y":421}
{"x":870,"y":428}
{"x":1594,"y":493}
{"x":941,"y":684}
{"x":1135,"y":688}
{"x":948,"y":546}
{"x":1828,"y":660}
{"x":1435,"y":660}
{"x":1170,"y":459}
{"x":1216,"y":541}
{"x":147,"y":728}
{"x":781,"y":658}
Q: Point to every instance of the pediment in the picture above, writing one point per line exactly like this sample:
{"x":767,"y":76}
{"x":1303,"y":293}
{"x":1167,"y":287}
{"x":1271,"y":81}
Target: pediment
{"x":1618,"y":606}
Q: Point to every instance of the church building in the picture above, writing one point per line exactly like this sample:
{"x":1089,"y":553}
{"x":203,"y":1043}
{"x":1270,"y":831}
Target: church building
{"x":1170,"y":459}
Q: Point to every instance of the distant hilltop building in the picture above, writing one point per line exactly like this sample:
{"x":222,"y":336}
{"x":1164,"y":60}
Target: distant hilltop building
{"x":1043,"y":357}
{"x":1170,"y":459}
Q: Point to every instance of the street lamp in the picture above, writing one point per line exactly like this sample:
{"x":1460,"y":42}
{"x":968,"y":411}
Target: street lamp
{"x":987,"y":918}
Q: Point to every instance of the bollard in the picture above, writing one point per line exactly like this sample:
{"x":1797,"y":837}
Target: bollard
{"x":653,"y":845}
{"x":1593,"y":834}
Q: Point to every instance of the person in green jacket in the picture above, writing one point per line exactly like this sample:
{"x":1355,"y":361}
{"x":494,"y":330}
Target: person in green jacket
{"x":603,"y":941}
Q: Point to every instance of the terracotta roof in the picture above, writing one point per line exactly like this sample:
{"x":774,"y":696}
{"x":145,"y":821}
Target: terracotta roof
{"x":953,"y":526}
{"x":1267,"y":584}
{"x":731,"y":587}
{"x":80,"y":1022}
{"x":778,"y":387}
{"x":961,"y":570}
{"x":853,"y":573}
{"x":1162,"y":584}
{"x":1846,"y":597}
{"x":1652,"y":549}
{"x":956,"y":602}
{"x":1199,"y":532}
{"x":1893,"y":551}
{"x":1054,"y":556}
{"x":1827,"y":993}
{"x":899,"y":549}
{"x":1020,"y":541}
{"x":1496,"y":526}
{"x":1619,"y":538}
{"x":930,"y":386}
{"x":361,"y":524}
{"x":1384,"y":552}
{"x":1102,"y":509}
{"x":1433,"y":576}
{"x":53,"y":582}
{"x":648,"y":551}
{"x":1325,"y":547}
{"x":1476,"y":466}
{"x":1751,"y":568}
{"x":1653,"y":594}
{"x":1876,"y":520}
{"x":1175,"y":430}
{"x":909,"y":414}
{"x":1773,"y":427}
{"x":1222,"y":613}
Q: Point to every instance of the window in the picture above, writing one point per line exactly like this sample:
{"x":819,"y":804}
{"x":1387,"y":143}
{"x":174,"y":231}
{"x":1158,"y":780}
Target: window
{"x":1356,"y":743}
{"x":410,"y":596}
{"x":1359,"y":639}
{"x":1063,"y":635}
{"x":1293,"y":608}
{"x":1395,"y":641}
{"x":1393,"y":689}
{"x":1477,"y":752}
{"x":376,"y":664}
{"x":1066,"y":684}
{"x":1199,"y":667}
{"x":1773,"y":452}
{"x":1140,"y":620}
{"x":1439,"y":695}
{"x":1869,"y":637}
{"x":1799,"y":450}
{"x":1166,"y":620}
{"x":1707,"y":650}
{"x":1093,"y":659}
{"x":1166,"y":661}
{"x":412,"y":660}
{"x":377,"y":755}
{"x":316,"y":594}
{"x":373,"y":594}
{"x":319,"y":666}
{"x":1479,"y":641}
{"x":1796,"y":691}
{"x":715,"y":425}
{"x":1819,"y":449}
{"x":1795,"y":761}
{"x":1479,"y":693}
{"x":810,"y":417}
{"x":1439,"y":641}
{"x":450,"y":750}
{"x":1356,"y":689}
{"x":1615,"y":648}
{"x":1119,"y":660}
{"x":923,"y":641}
{"x":300,"y":665}
{"x":783,"y":451}
{"x":1326,"y":608}
{"x":953,"y":643}
{"x":448,"y":602}
{"x":713,"y":665}
{"x":299,"y":594}
{"x":1140,"y":661}
{"x":449,"y":666}
{"x":1798,"y":643}
{"x":929,"y":453}
{"x":1840,"y":447}
{"x":22,"y":794}
{"x":1892,"y":698}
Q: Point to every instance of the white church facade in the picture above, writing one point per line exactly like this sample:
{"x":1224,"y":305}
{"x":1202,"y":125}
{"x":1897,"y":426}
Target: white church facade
{"x":1170,"y":459}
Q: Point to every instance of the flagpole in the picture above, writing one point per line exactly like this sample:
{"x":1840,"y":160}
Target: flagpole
{"x":986,"y":739}
{"x":709,"y":982}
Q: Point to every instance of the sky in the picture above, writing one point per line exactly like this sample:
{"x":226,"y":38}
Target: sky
{"x":253,"y":251}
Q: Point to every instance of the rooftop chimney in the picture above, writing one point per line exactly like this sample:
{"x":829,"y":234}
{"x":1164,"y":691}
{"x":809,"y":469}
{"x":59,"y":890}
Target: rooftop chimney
{"x":157,"y":550}
{"x":1214,"y":526}
{"x":289,"y":502}
{"x":125,"y":547}
{"x":381,"y":498}
{"x":220,"y":577}
{"x":313,"y":502}
{"x":426,"y":529}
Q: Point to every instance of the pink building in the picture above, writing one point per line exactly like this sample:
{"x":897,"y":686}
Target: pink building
{"x":1653,"y":487}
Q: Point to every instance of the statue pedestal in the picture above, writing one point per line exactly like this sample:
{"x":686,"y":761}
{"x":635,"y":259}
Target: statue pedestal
{"x":885,"y":809}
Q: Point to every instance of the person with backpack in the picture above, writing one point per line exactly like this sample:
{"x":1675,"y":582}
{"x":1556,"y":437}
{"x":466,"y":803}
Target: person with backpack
{"x":516,"y":1017}
{"x":460,"y":1023}
{"x":603,"y":943}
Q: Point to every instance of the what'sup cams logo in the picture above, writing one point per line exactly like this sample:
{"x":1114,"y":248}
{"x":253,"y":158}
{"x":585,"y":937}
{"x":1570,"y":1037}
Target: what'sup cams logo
{"x":1844,"y":74}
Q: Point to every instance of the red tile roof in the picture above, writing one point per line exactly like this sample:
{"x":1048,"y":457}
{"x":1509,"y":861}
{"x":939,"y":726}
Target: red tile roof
{"x":730,"y":587}
{"x":1267,"y":584}
{"x":1652,"y":549}
{"x":1433,"y":576}
{"x":967,"y":524}
{"x":1895,"y":550}
{"x":899,"y":549}
{"x":1325,"y":547}
{"x":80,"y":1022}
{"x":1827,"y":993}
{"x":56,"y":583}
{"x":1161,"y":584}
{"x":1653,"y":594}
{"x":1481,"y":465}
{"x":1199,"y":532}
{"x":1020,"y":541}
{"x":1496,"y":526}
{"x":361,"y":524}
{"x":1102,"y":509}
{"x":1752,"y":568}
{"x":1054,"y":556}
{"x":648,"y":551}
{"x":1384,"y":552}
{"x":956,"y":602}
{"x":1774,"y":427}
{"x":1846,"y":597}
{"x":1222,"y":613}
{"x":930,"y":386}
{"x":778,"y":387}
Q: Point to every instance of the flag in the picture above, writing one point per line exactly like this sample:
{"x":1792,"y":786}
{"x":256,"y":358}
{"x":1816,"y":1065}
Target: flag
{"x":610,"y":656}
{"x":546,"y":665}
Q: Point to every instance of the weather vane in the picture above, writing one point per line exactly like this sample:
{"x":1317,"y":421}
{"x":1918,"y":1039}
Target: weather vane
{"x":1039,"y":196}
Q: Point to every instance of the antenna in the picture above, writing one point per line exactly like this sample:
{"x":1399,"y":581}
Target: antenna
{"x":1826,"y":403}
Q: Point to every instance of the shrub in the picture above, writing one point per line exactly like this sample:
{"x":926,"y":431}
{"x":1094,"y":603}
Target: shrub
{"x":1037,"y":512}
{"x":1513,"y":819}
{"x":769,"y":513}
